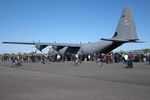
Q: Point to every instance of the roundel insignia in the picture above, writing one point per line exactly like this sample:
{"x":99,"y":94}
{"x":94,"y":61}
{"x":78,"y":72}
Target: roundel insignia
{"x":126,"y":22}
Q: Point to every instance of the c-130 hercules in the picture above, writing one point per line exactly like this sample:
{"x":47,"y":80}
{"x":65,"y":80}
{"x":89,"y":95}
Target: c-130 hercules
{"x":125,"y":33}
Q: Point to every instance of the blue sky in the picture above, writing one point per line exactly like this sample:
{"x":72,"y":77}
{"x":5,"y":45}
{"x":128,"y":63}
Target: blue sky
{"x":68,"y":21}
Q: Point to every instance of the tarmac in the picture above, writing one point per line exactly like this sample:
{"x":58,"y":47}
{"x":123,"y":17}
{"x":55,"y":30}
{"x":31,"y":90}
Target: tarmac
{"x":63,"y":81}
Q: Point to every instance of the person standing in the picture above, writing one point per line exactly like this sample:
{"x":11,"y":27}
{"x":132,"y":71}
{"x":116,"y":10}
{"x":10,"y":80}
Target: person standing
{"x":130,"y":60}
{"x":148,"y":59}
{"x":12,"y":61}
{"x":125,"y":58}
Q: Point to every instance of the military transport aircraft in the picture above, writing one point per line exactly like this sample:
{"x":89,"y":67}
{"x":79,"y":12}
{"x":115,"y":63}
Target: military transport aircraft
{"x":125,"y":33}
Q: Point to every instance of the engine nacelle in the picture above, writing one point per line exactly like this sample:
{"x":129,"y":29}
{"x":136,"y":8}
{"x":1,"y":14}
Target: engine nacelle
{"x":40,"y":47}
{"x":57,"y":48}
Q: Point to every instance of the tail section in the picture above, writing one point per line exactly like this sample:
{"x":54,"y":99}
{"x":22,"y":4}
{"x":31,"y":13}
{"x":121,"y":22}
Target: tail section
{"x":126,"y":29}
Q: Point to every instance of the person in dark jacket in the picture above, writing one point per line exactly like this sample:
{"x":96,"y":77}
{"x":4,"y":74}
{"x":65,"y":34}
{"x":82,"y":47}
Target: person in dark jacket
{"x":130,"y":60}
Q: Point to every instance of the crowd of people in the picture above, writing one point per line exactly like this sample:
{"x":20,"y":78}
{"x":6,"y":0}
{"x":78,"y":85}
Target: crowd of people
{"x":112,"y":57}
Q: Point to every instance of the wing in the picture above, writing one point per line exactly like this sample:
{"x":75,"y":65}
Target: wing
{"x":28,"y":43}
{"x":42,"y":45}
{"x":45,"y":44}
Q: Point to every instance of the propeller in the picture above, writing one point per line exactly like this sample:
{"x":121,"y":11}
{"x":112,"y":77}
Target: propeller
{"x":37,"y":46}
{"x":40,"y":46}
{"x":34,"y":47}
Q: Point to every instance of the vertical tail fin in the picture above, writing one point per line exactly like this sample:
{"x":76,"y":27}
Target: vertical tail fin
{"x":126,"y":29}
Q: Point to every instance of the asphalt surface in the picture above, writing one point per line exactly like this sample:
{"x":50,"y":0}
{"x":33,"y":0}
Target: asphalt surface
{"x":63,"y":81}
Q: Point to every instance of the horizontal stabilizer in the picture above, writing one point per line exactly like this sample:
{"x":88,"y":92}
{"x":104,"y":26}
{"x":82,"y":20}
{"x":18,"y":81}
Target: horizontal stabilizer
{"x":120,"y":40}
{"x":117,"y":40}
{"x":136,"y":41}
